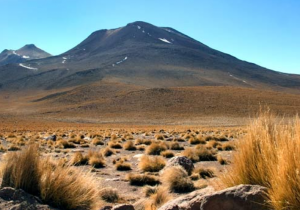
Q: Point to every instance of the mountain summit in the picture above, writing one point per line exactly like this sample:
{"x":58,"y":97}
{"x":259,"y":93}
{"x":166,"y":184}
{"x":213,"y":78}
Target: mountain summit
{"x":28,"y":52}
{"x":145,"y":55}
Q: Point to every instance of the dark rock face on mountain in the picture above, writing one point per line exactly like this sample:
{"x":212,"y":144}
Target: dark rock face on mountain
{"x":28,"y":52}
{"x":144,"y":55}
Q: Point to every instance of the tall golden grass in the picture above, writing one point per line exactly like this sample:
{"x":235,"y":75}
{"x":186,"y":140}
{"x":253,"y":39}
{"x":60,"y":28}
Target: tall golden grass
{"x":269,"y":155}
{"x":57,"y":184}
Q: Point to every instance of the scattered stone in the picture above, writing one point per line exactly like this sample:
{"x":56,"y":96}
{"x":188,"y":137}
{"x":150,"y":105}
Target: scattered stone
{"x":182,"y":161}
{"x":106,"y":208}
{"x":241,"y":197}
{"x":11,"y":198}
{"x":123,"y":207}
{"x":52,"y":137}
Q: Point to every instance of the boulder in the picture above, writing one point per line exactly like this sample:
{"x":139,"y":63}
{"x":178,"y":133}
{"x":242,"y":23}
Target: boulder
{"x":52,"y":137}
{"x":123,"y":207}
{"x":182,"y":161}
{"x":11,"y":198}
{"x":241,"y":197}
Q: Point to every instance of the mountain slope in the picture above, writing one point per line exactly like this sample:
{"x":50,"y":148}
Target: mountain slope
{"x":28,"y":52}
{"x":145,"y":55}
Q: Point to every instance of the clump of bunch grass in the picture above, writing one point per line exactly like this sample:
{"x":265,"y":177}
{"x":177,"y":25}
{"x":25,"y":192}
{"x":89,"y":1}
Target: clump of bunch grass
{"x":177,"y":180}
{"x":57,"y":184}
{"x":129,"y":145}
{"x":21,"y":170}
{"x":142,"y":179}
{"x":109,"y":195}
{"x":167,"y":154}
{"x":107,"y":152}
{"x":79,"y":159}
{"x":151,"y":163}
{"x":157,"y":199}
{"x":96,"y":159}
{"x":269,"y":155}
{"x":203,"y":173}
{"x":121,"y":165}
{"x":156,"y":148}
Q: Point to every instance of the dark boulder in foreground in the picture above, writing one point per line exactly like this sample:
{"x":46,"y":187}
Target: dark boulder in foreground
{"x":241,"y":197}
{"x":11,"y":198}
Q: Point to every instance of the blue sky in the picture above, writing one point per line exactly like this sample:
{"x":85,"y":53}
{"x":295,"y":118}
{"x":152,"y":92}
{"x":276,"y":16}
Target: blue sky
{"x":266,"y":32}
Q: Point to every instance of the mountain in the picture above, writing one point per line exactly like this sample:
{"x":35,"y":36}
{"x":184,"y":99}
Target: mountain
{"x":28,"y":52}
{"x":143,"y":54}
{"x":141,"y":73}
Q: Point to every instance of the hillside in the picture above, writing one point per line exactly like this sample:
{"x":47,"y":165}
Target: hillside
{"x":145,"y":55}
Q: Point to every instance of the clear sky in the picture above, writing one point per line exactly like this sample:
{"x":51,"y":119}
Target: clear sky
{"x":265,"y":32}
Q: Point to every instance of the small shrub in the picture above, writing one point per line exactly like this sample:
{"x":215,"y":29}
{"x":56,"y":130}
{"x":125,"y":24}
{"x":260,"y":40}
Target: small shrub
{"x":221,"y":160}
{"x":142,"y":179}
{"x":175,"y":146}
{"x":79,"y":159}
{"x":115,"y":145}
{"x":97,"y":141}
{"x":63,"y":144}
{"x":160,"y":197}
{"x":203,"y":173}
{"x":177,"y":180}
{"x":129,"y":145}
{"x":107,"y":152}
{"x":110,"y":195}
{"x":21,"y":170}
{"x":152,"y":163}
{"x":167,"y":154}
{"x":13,"y":148}
{"x":228,"y":146}
{"x":156,"y":148}
{"x":96,"y":159}
{"x":123,"y":166}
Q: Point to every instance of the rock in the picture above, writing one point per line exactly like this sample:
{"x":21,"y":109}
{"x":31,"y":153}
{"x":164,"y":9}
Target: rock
{"x":176,"y":203}
{"x":241,"y":197}
{"x":13,"y":199}
{"x":106,"y":208}
{"x":52,"y":137}
{"x":123,"y":207}
{"x":182,"y":161}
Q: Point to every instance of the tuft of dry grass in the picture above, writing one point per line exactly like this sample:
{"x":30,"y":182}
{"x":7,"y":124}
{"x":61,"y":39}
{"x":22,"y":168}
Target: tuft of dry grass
{"x":68,"y":188}
{"x":156,"y":200}
{"x":269,"y":155}
{"x":107,"y":152}
{"x":63,"y":144}
{"x":129,"y":145}
{"x":203,"y":173}
{"x":57,"y":184}
{"x":152,"y":163}
{"x":121,"y":165}
{"x":142,"y":179}
{"x":79,"y":159}
{"x":177,"y":180}
{"x":222,"y":160}
{"x":115,"y":145}
{"x":97,"y":141}
{"x":175,"y":146}
{"x":21,"y":170}
{"x":13,"y":148}
{"x":109,"y":195}
{"x":96,"y":159}
{"x":167,"y":154}
{"x":228,"y":146}
{"x":156,"y":148}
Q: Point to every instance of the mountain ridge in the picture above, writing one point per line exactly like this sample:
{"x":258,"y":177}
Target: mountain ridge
{"x":25,"y":53}
{"x":143,"y":54}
